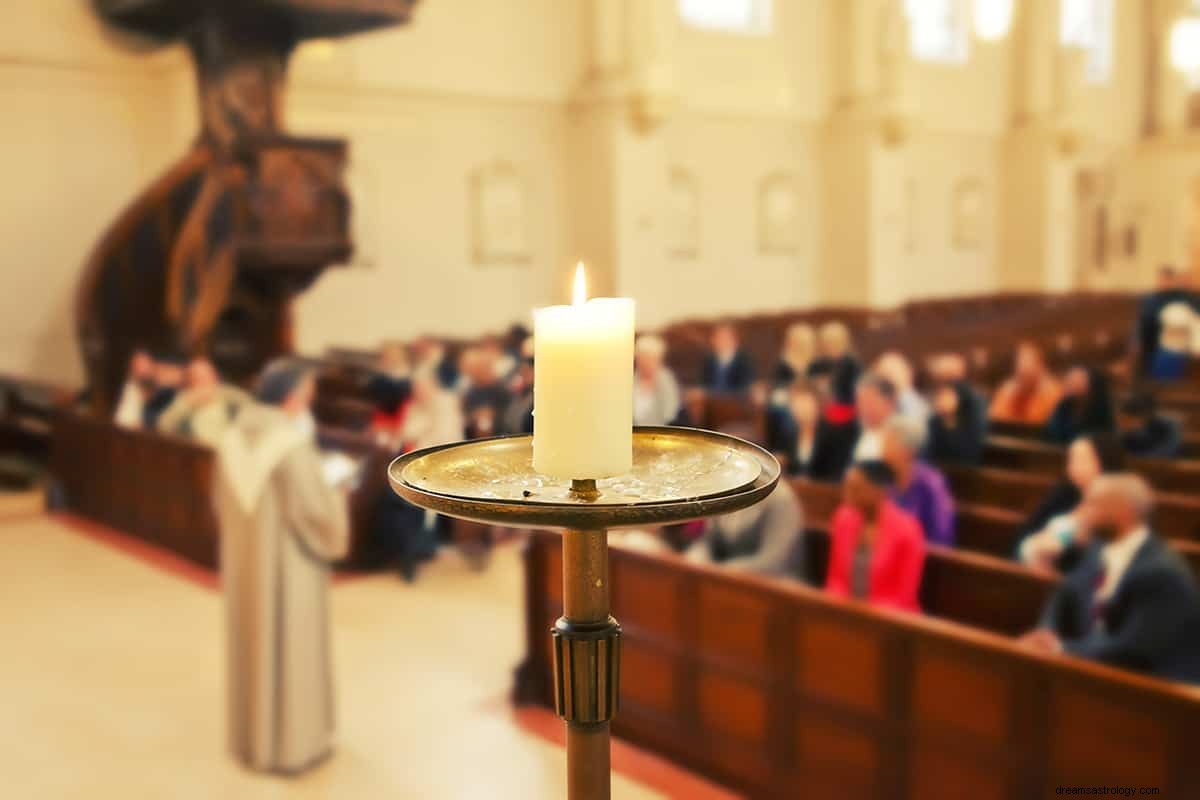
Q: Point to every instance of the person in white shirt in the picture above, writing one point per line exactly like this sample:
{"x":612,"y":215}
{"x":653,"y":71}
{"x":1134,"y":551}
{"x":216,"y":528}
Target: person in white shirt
{"x":875,"y":402}
{"x":139,"y":387}
{"x":909,"y":402}
{"x":435,"y":415}
{"x":656,"y":398}
{"x":1132,"y":602}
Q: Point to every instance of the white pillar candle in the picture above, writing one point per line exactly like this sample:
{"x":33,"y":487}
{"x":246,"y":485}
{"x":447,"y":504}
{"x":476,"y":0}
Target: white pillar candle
{"x":583,"y":387}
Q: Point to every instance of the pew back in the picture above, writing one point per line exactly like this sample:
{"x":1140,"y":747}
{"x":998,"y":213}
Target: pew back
{"x":777,"y":690}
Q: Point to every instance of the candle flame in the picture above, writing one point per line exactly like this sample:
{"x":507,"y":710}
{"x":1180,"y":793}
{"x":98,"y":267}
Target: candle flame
{"x":580,"y":285}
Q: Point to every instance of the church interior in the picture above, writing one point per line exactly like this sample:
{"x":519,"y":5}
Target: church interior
{"x":879,"y":439}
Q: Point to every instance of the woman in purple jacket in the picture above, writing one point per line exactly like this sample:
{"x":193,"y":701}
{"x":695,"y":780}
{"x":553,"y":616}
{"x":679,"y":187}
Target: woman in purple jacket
{"x":920,"y":488}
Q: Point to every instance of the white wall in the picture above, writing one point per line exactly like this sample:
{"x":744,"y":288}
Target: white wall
{"x":469,"y":83}
{"x":84,"y":130}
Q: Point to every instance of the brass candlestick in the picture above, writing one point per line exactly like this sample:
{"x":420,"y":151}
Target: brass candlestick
{"x":678,"y":474}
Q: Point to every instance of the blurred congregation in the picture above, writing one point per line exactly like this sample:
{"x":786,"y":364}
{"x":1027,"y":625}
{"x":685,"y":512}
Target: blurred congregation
{"x":938,"y":258}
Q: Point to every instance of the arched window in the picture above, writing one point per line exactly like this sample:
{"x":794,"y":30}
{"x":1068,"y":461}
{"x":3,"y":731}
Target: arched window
{"x":1088,"y":24}
{"x":729,"y":16}
{"x":939,"y":30}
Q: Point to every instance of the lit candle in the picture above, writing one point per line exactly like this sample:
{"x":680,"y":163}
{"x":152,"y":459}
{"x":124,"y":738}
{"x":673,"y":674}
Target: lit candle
{"x":583,"y":386}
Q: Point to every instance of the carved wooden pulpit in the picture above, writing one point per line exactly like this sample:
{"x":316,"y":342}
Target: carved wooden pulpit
{"x":208,"y":258}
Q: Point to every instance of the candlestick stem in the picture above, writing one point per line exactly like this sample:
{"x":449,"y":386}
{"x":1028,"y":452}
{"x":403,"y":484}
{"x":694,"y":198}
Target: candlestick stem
{"x":587,"y":657}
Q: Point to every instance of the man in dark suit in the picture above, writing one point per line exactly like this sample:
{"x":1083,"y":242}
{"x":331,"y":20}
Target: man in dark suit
{"x":727,"y":368}
{"x":1132,"y":602}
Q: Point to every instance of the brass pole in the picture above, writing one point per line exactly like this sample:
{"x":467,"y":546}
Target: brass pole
{"x":586,"y":602}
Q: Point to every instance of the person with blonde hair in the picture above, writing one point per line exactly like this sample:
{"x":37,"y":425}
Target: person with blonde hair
{"x":656,"y":397}
{"x":909,"y":402}
{"x":799,"y":350}
{"x":837,"y":367}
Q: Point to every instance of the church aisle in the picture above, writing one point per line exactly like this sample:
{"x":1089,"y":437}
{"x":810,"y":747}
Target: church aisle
{"x":111,"y":685}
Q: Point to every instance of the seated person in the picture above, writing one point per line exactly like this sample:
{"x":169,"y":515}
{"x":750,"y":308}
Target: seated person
{"x":1178,"y":342}
{"x":877,"y":551}
{"x":434,"y":416}
{"x":430,"y":355}
{"x":805,"y":442}
{"x":517,"y":342}
{"x":517,"y":416}
{"x":837,"y":366}
{"x":909,"y":402}
{"x":1147,"y":433}
{"x":485,"y":397}
{"x":168,"y":381}
{"x":1031,"y":394}
{"x":799,"y":350}
{"x":765,"y":538}
{"x":957,"y":427}
{"x":728,"y":367}
{"x":920,"y":489}
{"x":1046,"y":539}
{"x":1132,"y":602}
{"x":1086,"y":407}
{"x":504,"y":362}
{"x":139,"y":388}
{"x":875,"y":405}
{"x":656,"y":397}
{"x":389,"y":388}
{"x":206,"y":407}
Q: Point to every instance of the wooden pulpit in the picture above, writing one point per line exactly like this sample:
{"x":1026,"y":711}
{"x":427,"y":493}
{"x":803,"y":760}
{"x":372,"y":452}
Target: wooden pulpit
{"x":208,"y":259}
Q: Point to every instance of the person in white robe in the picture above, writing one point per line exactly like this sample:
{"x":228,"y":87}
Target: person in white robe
{"x":282,"y":524}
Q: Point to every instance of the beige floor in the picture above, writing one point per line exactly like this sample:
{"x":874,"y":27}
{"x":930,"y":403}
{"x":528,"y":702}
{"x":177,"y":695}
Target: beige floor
{"x":110,"y":683}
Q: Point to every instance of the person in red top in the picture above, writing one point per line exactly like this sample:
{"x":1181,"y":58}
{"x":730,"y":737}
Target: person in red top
{"x":878,"y":550}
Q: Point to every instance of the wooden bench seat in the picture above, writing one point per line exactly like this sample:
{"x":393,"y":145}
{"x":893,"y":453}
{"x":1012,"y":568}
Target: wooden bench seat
{"x":778,"y":690}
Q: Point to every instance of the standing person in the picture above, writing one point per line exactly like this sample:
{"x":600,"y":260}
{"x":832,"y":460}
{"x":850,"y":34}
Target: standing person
{"x":877,"y":553}
{"x":1178,"y":343}
{"x":728,"y":367}
{"x":281,"y":525}
{"x":656,"y":397}
{"x":1170,"y":287}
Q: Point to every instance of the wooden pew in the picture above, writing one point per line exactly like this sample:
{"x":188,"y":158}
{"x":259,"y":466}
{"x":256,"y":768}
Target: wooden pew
{"x":27,"y":410}
{"x":154,"y":487}
{"x":777,"y":690}
{"x":1045,"y":459}
{"x":159,"y":488}
{"x":1034,"y":433}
